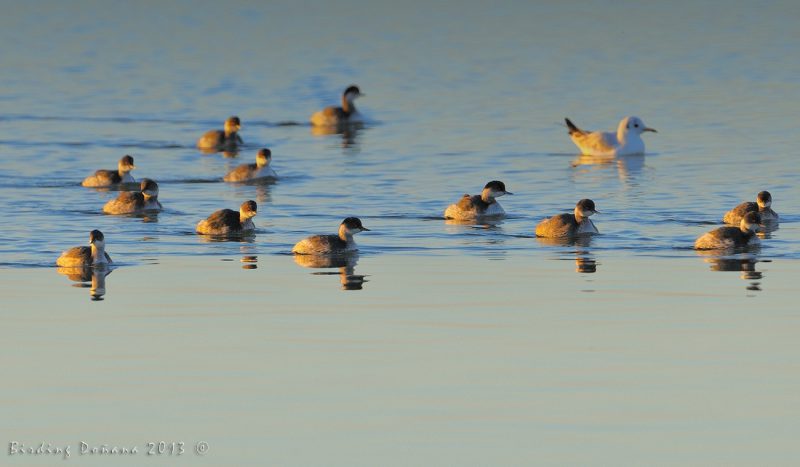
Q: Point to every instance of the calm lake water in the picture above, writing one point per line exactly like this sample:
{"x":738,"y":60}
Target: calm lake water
{"x":440,"y":344}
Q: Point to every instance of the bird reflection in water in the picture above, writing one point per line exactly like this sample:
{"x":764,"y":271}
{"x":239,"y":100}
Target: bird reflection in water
{"x":470,"y":239}
{"x":134,"y":186}
{"x":228,"y":154}
{"x":628,"y":167}
{"x":262,"y":188}
{"x":148,"y":217}
{"x":247,"y":237}
{"x":249,"y":258}
{"x":585,"y":264}
{"x":346,"y":264}
{"x":349,"y":133}
{"x":579,"y":246}
{"x":481,"y":223}
{"x":249,"y":262}
{"x":767,"y":227}
{"x":92,"y":277}
{"x":746,"y":265}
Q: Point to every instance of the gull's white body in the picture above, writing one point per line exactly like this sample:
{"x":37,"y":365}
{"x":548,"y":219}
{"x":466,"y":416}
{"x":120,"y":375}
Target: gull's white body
{"x":626,"y":141}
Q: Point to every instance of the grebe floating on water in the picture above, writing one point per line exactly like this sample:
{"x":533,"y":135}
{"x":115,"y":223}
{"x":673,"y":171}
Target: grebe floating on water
{"x":227,"y":222}
{"x":626,"y":141}
{"x":253,"y":172}
{"x":762,"y":206}
{"x":85,"y":256}
{"x":136,"y":202}
{"x":569,"y":225}
{"x":732,"y":237}
{"x":106,"y":178}
{"x":222,"y":140}
{"x":347,"y":113}
{"x":332,"y":244}
{"x":479,"y":206}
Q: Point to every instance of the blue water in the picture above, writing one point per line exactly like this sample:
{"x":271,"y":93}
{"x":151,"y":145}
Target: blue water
{"x":456,"y":95}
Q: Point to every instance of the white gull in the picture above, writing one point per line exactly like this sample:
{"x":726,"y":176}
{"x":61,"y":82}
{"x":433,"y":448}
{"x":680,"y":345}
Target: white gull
{"x":626,"y":141}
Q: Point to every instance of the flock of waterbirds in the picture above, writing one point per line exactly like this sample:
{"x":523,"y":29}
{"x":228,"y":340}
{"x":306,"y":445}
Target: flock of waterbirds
{"x":745,"y":219}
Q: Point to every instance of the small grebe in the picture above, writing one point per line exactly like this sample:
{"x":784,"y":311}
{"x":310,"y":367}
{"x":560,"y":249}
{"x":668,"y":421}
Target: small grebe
{"x":626,"y":141}
{"x":105,"y":178}
{"x":332,"y":244}
{"x":136,"y":202}
{"x":569,"y":225}
{"x":762,"y":206}
{"x":732,"y":237}
{"x":347,"y":113}
{"x":227,"y":222}
{"x":252,"y":172}
{"x":479,"y":206}
{"x":86,"y":256}
{"x":222,"y":140}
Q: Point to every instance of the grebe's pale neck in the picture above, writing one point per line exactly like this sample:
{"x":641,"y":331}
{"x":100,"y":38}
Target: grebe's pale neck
{"x":98,"y":244}
{"x":232,"y":125}
{"x":348,"y":99}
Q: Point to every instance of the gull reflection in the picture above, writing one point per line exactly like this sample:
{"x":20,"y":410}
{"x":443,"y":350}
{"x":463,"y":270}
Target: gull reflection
{"x":578,"y":246}
{"x":92,"y":277}
{"x":348,"y":131}
{"x":346,"y":264}
{"x":628,"y":167}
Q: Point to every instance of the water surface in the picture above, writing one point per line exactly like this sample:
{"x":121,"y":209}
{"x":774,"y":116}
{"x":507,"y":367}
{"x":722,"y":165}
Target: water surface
{"x":441,"y":343}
